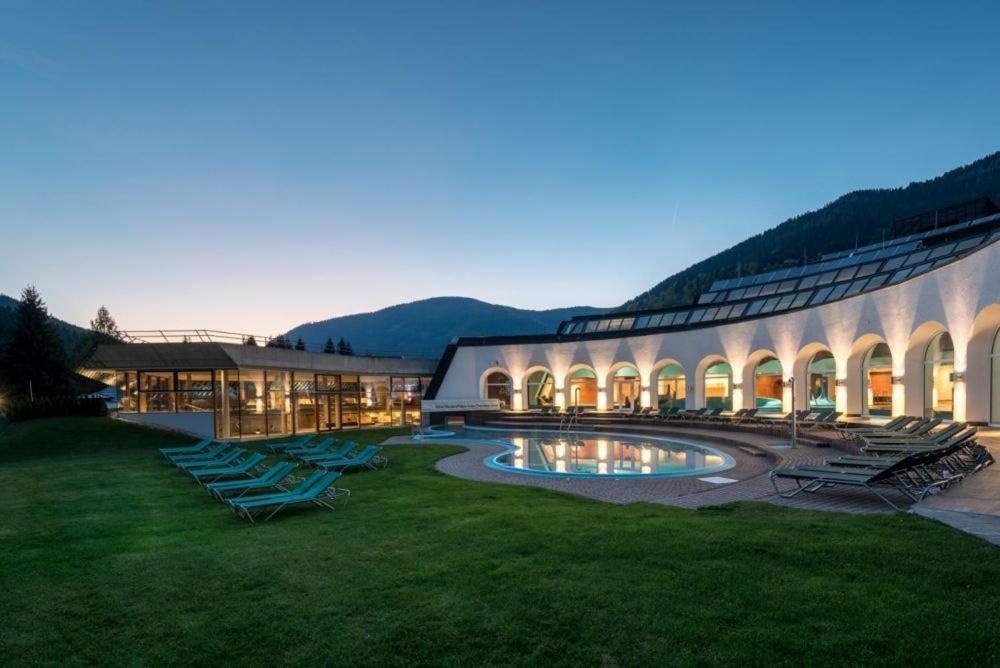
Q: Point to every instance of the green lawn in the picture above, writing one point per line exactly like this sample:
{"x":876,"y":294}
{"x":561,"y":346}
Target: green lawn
{"x":110,"y":556}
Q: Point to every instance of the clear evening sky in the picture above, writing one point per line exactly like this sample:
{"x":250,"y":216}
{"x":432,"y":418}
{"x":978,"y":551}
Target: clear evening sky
{"x":251,"y":166}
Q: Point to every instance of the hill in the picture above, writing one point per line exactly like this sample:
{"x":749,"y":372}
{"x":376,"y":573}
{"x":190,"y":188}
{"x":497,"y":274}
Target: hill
{"x":424,"y":328}
{"x":859,"y":217}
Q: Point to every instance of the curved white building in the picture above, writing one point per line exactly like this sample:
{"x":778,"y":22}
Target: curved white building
{"x":904,"y":327}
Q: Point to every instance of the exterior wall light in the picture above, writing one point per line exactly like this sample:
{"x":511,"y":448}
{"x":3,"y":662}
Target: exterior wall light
{"x":957,"y":376}
{"x":897,"y":380}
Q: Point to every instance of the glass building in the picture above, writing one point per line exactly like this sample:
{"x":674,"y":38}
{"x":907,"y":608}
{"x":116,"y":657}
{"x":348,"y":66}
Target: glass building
{"x":235,"y":391}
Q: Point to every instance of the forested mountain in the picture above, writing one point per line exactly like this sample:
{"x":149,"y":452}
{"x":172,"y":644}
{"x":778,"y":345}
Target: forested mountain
{"x":858,"y":217}
{"x":424,"y":328}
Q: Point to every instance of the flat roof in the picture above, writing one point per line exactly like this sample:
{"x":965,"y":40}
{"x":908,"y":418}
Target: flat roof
{"x":206,"y":356}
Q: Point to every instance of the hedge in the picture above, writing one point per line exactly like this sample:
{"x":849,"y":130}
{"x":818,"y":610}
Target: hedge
{"x":20,"y":409}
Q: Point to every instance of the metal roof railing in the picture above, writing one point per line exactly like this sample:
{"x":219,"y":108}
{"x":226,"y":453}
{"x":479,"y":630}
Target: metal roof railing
{"x":238,"y":338}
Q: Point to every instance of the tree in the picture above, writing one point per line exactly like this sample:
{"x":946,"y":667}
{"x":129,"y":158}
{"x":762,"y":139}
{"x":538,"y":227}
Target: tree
{"x":105,"y":324}
{"x":329,"y":347}
{"x":299,"y":345}
{"x":344,"y":347}
{"x":250,"y":341}
{"x":34,"y":353}
{"x":278,"y":342}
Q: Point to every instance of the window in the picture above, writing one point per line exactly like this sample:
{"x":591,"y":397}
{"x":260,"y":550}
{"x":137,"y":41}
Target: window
{"x":679,"y":318}
{"x":738,"y":310}
{"x":156,"y":392}
{"x":592,"y":326}
{"x":627,"y":323}
{"x":770,"y":304}
{"x":350,"y":401}
{"x":809,"y":281}
{"x":718,"y":386}
{"x":785,"y":286}
{"x":752,"y":291}
{"x":966,"y":244}
{"x":755,"y":307}
{"x":406,"y":395}
{"x":916,"y":258}
{"x":894,"y":263}
{"x":900,"y":275}
{"x":876,"y":376}
{"x":616,"y":324}
{"x":251,"y":404}
{"x":768,"y":289}
{"x":768,"y":386}
{"x":671,"y":388}
{"x":855,"y":288}
{"x":127,"y":384}
{"x":867,"y":270}
{"x":664,"y":319}
{"x":801,"y":299}
{"x":304,"y":402}
{"x":822,"y":372}
{"x":939,"y":384}
{"x":828,"y":277}
{"x":707,"y":298}
{"x":195,"y":392}
{"x":375,"y":407}
{"x":940,"y":251}
{"x":877,"y":281}
{"x":837,"y":292}
{"x":723,"y":312}
{"x":785,"y":302}
{"x":697,"y":315}
{"x":642,"y":323}
{"x":498,"y":386}
{"x":821,"y":295}
{"x":736,"y":294}
{"x":603,"y":325}
{"x":710,"y":313}
{"x":847,"y":274}
{"x":540,"y":389}
{"x":279,"y":403}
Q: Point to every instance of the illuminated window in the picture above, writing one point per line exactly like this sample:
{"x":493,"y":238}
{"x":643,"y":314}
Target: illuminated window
{"x":499,"y":386}
{"x":718,"y":386}
{"x":876,"y":374}
{"x":671,"y":388}
{"x":767,"y":385}
{"x":939,"y":386}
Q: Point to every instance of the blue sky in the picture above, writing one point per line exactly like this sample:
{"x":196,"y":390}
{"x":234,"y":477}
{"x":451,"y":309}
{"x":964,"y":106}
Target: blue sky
{"x":251,"y":166}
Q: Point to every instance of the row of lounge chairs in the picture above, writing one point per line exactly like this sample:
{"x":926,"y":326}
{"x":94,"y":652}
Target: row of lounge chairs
{"x":228,"y":473}
{"x":903,"y":455}
{"x":805,"y":419}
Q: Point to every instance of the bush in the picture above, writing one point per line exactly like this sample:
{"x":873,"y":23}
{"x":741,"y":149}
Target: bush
{"x":19,"y":409}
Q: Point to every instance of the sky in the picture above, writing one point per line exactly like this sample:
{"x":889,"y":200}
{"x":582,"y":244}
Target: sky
{"x":251,"y":166}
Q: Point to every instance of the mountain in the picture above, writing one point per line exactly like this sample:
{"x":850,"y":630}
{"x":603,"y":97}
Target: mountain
{"x":423,"y":328}
{"x":70,"y":334}
{"x":859,"y":217}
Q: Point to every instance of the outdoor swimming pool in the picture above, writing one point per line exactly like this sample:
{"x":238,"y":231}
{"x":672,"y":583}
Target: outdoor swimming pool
{"x":592,"y":454}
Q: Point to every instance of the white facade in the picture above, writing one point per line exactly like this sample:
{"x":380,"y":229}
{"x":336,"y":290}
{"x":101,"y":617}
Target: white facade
{"x":961,"y":298}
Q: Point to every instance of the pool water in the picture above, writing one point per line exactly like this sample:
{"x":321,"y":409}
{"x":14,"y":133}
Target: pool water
{"x":592,"y":454}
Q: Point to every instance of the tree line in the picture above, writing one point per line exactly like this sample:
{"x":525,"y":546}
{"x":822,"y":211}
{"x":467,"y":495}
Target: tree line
{"x":342,"y":347}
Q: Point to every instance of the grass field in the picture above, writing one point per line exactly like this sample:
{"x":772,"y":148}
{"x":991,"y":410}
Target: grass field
{"x":108,"y":555}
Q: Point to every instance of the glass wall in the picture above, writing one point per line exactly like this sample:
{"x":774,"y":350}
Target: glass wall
{"x":625,"y":387}
{"x":304,"y":402}
{"x":195,"y":392}
{"x":768,"y":384}
{"x":582,"y":388}
{"x":279,"y":403}
{"x":406,"y":395}
{"x":671,"y":386}
{"x":328,"y":401}
{"x":939,"y":365}
{"x":718,"y":386}
{"x":822,"y":381}
{"x":127,"y":383}
{"x":499,"y":386}
{"x":375,"y":407}
{"x":541,"y":389}
{"x":350,"y":401}
{"x":876,"y":374}
{"x":252,"y":404}
{"x":156,"y":392}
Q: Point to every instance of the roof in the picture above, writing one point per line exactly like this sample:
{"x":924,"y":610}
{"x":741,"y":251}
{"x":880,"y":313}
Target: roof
{"x":204,"y":356}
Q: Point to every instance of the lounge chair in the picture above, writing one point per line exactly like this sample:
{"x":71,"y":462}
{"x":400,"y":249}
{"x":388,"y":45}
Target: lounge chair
{"x":225,"y":459}
{"x":945,"y":438}
{"x":875,"y":480}
{"x":937,"y":436}
{"x":893,"y":425}
{"x":316,"y":489}
{"x":300,"y":442}
{"x":203,"y":475}
{"x":274,"y":477}
{"x":320,"y":447}
{"x":368,"y":457}
{"x":730,"y":417}
{"x":211,"y":453}
{"x":916,"y":428}
{"x":189,"y":449}
{"x":749,"y":416}
{"x":340,"y":453}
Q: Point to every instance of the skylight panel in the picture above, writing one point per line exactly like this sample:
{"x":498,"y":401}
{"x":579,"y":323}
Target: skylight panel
{"x":755,"y":307}
{"x":867,"y":269}
{"x":837,"y":292}
{"x":738,"y":310}
{"x":966,"y":244}
{"x":916,"y":258}
{"x":801,"y":298}
{"x":821,"y":295}
{"x":877,"y":281}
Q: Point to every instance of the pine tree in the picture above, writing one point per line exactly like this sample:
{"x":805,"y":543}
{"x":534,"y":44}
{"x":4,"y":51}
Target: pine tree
{"x":250,"y":341}
{"x":278,"y":342}
{"x":105,"y":324}
{"x":343,"y":347}
{"x":299,"y":345}
{"x":34,"y":352}
{"x":329,"y":347}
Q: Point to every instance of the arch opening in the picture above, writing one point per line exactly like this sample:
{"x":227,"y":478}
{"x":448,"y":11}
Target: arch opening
{"x":768,"y":385}
{"x":876,"y":380}
{"x":995,"y":380}
{"x":582,"y":387}
{"x":939,"y":377}
{"x":719,"y":386}
{"x":499,"y":385}
{"x":625,"y":387}
{"x":822,"y":374}
{"x":539,"y":389}
{"x":671,"y":387}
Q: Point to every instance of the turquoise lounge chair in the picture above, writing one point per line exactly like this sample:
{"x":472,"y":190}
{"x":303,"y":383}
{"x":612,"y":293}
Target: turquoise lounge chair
{"x":300,"y":442}
{"x":316,"y":489}
{"x":367,"y":457}
{"x":225,"y":459}
{"x":339,"y":453}
{"x":203,"y":475}
{"x":320,"y":447}
{"x":211,"y":453}
{"x":274,"y":477}
{"x":188,"y":449}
